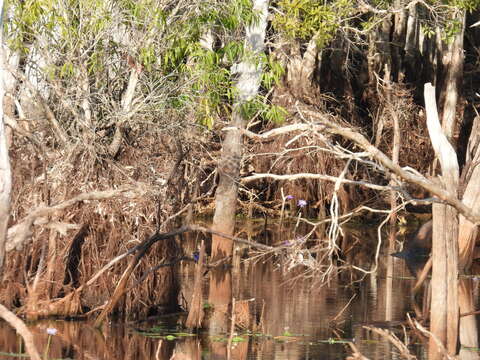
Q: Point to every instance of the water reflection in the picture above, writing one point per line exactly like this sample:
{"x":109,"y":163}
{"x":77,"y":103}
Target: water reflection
{"x":296,"y":318}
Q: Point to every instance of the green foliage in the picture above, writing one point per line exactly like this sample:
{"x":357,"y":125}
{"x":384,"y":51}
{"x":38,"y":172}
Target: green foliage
{"x":427,"y":30}
{"x":452,"y":28}
{"x":468,"y":5}
{"x":272,"y":73}
{"x":305,"y":19}
{"x":276,"y":114}
{"x":67,"y":70}
{"x":447,"y":20}
{"x":109,"y":39}
{"x":258,"y":106}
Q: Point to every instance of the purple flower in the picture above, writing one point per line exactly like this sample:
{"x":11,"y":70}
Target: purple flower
{"x":287,"y":243}
{"x":302,"y":203}
{"x":289,"y":197}
{"x":52,"y":331}
{"x":300,"y":238}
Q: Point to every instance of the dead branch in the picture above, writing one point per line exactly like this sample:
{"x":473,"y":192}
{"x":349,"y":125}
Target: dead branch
{"x":318,"y":122}
{"x":294,"y":177}
{"x":143,"y":248}
{"x":356,"y":354}
{"x":422,"y":276}
{"x":59,"y":133}
{"x":22,"y":329}
{"x":171,"y":234}
{"x":441,"y":347}
{"x":126,"y":112}
{"x":394,"y":340}
{"x":121,"y":286}
{"x":361,"y":141}
{"x":343,"y":309}
{"x":20,"y":233}
{"x":278,"y":131}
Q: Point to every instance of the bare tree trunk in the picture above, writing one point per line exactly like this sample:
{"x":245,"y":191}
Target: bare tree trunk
{"x":249,"y":73}
{"x":195,"y":312}
{"x":5,"y":172}
{"x":398,"y":38}
{"x":247,"y":86}
{"x":453,"y":70}
{"x":444,"y":308}
{"x":226,"y":194}
{"x":300,"y":69}
{"x":393,"y":194}
{"x":467,"y":230}
{"x":468,"y":324}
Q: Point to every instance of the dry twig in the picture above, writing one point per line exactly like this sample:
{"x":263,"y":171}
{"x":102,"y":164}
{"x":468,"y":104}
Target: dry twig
{"x":394,"y":340}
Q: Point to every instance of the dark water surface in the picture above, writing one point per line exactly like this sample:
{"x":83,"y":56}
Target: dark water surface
{"x":298,"y":319}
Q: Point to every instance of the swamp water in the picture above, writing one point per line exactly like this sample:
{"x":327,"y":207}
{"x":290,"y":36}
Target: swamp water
{"x":297,"y":320}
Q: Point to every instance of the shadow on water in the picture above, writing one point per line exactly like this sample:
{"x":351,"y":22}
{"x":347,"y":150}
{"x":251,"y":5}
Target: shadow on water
{"x":296,"y":318}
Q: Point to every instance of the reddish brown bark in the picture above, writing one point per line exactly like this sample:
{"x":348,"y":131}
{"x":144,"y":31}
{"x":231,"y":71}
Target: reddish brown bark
{"x":226,"y":195}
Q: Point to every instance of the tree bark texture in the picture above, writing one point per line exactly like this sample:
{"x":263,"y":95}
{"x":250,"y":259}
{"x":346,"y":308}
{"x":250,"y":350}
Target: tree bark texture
{"x":5,"y":171}
{"x":249,"y":77}
{"x":467,"y":230}
{"x":453,"y":70}
{"x":468,"y":331}
{"x":444,"y":315}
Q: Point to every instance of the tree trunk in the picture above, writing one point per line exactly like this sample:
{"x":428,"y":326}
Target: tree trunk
{"x":468,"y":324}
{"x":444,"y":308}
{"x":226,"y":194}
{"x":467,"y":230}
{"x":249,"y":74}
{"x":453,"y":71}
{"x":5,"y":172}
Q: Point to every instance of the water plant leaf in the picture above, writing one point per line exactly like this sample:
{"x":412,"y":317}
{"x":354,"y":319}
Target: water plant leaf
{"x":237,"y":339}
